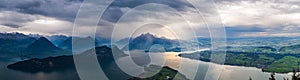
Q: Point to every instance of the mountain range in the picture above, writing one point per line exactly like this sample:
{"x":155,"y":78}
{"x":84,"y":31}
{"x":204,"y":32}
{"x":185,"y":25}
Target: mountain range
{"x":146,"y":41}
{"x":40,"y":45}
{"x":43,"y":48}
{"x":18,"y":44}
{"x":21,"y":45}
{"x":12,"y":44}
{"x":81,"y":43}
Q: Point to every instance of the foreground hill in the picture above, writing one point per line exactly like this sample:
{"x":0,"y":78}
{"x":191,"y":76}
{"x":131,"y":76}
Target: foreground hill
{"x":61,"y":62}
{"x":106,"y":61}
{"x":166,"y":73}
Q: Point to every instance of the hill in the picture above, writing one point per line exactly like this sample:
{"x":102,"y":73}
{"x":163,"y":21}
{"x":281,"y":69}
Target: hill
{"x":50,"y":64}
{"x":80,"y":41}
{"x":145,"y":41}
{"x":43,"y":47}
{"x":293,"y":49}
{"x":12,"y":44}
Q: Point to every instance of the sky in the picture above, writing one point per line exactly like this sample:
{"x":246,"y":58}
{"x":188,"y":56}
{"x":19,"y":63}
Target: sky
{"x":240,"y":18}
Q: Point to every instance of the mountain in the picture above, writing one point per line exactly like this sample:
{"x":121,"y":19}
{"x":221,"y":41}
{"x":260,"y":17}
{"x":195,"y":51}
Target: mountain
{"x":105,"y":53}
{"x":36,"y":36}
{"x":43,"y":47}
{"x":123,"y":42}
{"x":57,"y":39}
{"x":12,"y":44}
{"x":80,"y":42}
{"x":101,"y":41}
{"x":13,"y":36}
{"x":292,"y":49}
{"x":145,"y":41}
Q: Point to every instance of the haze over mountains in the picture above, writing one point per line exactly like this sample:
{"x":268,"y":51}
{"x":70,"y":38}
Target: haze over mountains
{"x":40,"y":45}
{"x":145,"y":41}
{"x":18,"y":44}
{"x":49,"y":53}
{"x":12,"y":44}
{"x":67,"y":44}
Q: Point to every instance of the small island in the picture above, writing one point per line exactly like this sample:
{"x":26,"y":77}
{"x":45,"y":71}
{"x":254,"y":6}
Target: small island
{"x":63,"y":62}
{"x":166,"y":73}
{"x":104,"y":54}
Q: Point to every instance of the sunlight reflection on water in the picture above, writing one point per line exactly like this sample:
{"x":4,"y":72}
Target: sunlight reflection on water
{"x":228,"y":72}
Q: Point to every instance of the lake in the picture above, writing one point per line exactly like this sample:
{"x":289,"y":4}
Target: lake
{"x":183,"y":65}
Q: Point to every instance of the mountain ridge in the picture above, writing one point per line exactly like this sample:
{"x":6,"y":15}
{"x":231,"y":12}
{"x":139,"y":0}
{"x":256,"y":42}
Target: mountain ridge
{"x":145,"y":41}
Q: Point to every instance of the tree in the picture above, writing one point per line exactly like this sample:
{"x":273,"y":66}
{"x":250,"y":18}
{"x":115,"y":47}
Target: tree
{"x":295,"y":75}
{"x":250,"y":78}
{"x":272,"y":76}
{"x":285,"y":78}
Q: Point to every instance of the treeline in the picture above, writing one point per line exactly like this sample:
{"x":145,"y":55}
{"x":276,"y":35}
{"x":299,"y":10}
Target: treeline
{"x":295,"y":76}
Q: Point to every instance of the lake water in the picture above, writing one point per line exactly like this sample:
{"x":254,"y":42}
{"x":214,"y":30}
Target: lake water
{"x":228,"y":72}
{"x":7,"y":74}
{"x":183,"y":65}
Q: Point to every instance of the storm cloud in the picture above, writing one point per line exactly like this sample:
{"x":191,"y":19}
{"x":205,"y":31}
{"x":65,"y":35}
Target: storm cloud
{"x":238,"y":16}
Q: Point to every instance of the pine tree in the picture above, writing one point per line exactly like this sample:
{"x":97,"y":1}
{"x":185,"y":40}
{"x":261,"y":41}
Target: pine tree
{"x":250,"y":78}
{"x":272,"y":76}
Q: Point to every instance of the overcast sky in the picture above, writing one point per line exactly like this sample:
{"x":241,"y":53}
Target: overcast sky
{"x":241,"y":18}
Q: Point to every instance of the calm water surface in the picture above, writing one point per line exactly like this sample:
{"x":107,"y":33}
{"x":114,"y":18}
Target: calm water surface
{"x":188,"y":67}
{"x":184,"y":65}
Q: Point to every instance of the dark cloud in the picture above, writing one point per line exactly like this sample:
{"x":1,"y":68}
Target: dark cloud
{"x":236,"y":31}
{"x":67,"y":9}
{"x":112,"y":14}
{"x":61,"y":9}
{"x":15,"y":19}
{"x":12,"y":25}
{"x":177,"y":4}
{"x":244,"y":29}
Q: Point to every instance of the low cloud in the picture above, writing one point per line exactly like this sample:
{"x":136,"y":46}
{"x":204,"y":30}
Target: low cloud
{"x":241,"y":18}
